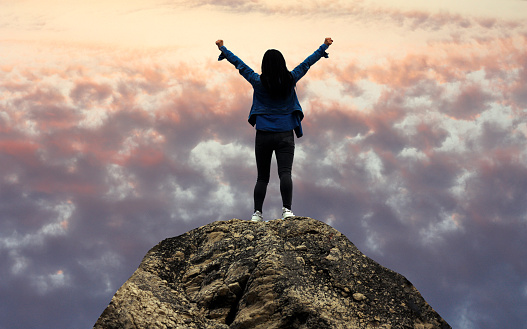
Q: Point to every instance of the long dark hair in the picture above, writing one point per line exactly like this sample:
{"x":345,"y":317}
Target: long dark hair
{"x":276,"y":78}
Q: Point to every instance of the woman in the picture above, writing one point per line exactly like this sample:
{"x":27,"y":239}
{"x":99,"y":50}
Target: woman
{"x":275,"y":113}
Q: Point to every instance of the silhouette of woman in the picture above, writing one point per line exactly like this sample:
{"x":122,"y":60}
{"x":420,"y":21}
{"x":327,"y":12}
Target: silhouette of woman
{"x":275,"y":113}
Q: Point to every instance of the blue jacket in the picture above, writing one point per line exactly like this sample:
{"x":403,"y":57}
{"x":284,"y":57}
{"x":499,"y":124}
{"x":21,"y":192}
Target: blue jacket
{"x":262,"y":102}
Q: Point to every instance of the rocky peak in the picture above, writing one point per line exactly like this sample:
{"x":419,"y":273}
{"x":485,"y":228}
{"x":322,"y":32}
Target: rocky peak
{"x":294,"y":273}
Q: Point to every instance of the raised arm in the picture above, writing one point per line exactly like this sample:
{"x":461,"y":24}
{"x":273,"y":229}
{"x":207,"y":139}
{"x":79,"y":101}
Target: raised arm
{"x":303,"y":67}
{"x":243,"y":68}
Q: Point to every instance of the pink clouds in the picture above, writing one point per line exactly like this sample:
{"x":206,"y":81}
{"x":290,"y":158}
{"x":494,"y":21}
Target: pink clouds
{"x":470,"y":102}
{"x":365,"y":11}
{"x":22,"y":150}
{"x":416,"y":153}
{"x":88,"y":94}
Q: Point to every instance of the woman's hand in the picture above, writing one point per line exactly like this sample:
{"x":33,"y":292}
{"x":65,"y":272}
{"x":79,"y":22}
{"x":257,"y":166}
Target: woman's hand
{"x":327,"y":41}
{"x":219,"y":43}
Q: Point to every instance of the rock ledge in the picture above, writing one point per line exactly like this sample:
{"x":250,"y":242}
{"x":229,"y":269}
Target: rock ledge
{"x":295,"y":273}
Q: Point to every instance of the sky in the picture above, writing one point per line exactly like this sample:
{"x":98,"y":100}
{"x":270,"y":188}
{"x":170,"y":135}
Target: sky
{"x":120,"y":128}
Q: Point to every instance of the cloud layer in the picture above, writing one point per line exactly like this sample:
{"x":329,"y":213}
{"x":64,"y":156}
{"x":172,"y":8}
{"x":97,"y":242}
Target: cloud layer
{"x":418,"y":156}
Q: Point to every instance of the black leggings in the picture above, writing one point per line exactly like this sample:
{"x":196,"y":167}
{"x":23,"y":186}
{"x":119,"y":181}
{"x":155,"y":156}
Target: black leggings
{"x":283,"y":144}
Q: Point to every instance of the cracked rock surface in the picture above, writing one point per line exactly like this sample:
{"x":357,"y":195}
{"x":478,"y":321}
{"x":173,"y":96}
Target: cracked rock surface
{"x":294,"y":273}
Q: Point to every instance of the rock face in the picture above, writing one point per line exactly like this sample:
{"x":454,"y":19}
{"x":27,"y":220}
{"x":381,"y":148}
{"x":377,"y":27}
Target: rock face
{"x":294,"y":273}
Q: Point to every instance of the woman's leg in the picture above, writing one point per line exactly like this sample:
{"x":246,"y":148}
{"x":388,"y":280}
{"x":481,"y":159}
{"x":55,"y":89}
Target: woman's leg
{"x":263,"y":151}
{"x":285,"y":153}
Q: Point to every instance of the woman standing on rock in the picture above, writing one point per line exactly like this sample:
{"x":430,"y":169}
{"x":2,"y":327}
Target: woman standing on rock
{"x":275,"y":113}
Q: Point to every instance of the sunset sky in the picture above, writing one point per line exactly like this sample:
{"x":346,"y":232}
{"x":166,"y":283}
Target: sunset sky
{"x":119,"y":128}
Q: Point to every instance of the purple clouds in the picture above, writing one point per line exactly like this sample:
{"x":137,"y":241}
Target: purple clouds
{"x":417,"y":155}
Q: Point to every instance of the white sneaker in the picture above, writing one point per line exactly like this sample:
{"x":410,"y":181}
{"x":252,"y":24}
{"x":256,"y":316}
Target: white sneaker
{"x":257,"y":216}
{"x":287,"y":213}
